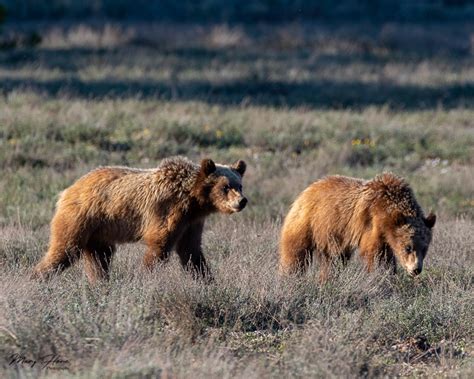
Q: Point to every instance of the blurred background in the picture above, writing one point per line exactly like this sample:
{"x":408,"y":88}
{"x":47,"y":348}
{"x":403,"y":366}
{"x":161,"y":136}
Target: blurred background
{"x":247,"y":12}
{"x":298,"y":88}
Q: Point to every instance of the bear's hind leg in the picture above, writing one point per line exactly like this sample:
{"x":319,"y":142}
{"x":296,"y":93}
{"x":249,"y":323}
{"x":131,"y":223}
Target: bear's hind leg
{"x":97,"y":260}
{"x":58,"y":258}
{"x":66,"y":242}
{"x":296,"y":253}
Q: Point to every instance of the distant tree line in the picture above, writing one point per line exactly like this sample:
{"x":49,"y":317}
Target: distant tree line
{"x":242,"y":11}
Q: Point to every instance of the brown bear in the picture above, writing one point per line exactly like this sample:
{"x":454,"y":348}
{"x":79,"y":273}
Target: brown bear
{"x":336,"y":215}
{"x":165,"y":207}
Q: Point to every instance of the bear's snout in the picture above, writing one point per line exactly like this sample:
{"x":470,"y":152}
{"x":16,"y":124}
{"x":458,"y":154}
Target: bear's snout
{"x":415,"y":271}
{"x":239,"y":204}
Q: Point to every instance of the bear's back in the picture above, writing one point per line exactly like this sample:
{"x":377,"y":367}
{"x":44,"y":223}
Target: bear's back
{"x":331,"y":192}
{"x":117,"y":192}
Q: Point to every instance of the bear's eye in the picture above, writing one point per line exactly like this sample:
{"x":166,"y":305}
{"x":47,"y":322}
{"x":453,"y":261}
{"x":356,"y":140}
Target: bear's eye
{"x":408,"y":249}
{"x":226,"y":188}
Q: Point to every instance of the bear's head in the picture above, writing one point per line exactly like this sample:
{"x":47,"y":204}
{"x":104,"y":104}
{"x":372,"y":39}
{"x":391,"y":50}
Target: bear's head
{"x":219,"y":187}
{"x":407,"y":231}
{"x":409,"y":239}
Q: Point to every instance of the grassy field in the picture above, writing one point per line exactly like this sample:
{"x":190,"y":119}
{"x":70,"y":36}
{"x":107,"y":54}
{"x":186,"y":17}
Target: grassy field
{"x":296,"y":102}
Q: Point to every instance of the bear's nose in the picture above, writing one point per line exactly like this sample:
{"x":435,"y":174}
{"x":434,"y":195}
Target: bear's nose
{"x":242,"y":203}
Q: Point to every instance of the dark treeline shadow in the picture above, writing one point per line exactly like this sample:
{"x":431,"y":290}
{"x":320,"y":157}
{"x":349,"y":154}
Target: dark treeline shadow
{"x":256,"y":88}
{"x":321,"y":94}
{"x":242,"y":11}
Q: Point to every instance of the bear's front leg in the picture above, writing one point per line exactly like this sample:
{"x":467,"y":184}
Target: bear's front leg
{"x":190,"y":252}
{"x":325,"y":262}
{"x":370,"y":248}
{"x":387,"y":259}
{"x":371,"y":244}
{"x":159,"y":245}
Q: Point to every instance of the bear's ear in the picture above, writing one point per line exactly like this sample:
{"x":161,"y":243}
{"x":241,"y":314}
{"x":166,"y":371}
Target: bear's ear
{"x":240,"y":167}
{"x":208,"y":166}
{"x":430,"y":221}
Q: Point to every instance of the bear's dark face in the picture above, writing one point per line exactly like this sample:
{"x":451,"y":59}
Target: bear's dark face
{"x":410,"y":240}
{"x":223,"y":186}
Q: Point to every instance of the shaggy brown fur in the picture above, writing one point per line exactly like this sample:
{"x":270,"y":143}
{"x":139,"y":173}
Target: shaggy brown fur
{"x":165,"y":207}
{"x":337,"y":215}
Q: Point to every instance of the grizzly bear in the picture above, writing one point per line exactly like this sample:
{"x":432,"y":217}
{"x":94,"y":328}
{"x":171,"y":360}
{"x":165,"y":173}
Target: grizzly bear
{"x":164,"y":207}
{"x":337,"y":215}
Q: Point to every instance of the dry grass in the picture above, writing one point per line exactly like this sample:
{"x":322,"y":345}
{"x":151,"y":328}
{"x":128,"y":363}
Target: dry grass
{"x":296,"y":102}
{"x":248,"y":323}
